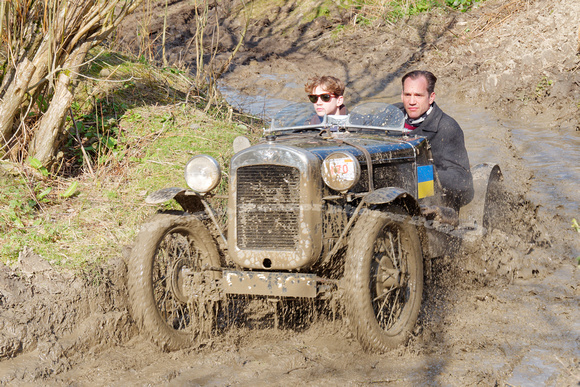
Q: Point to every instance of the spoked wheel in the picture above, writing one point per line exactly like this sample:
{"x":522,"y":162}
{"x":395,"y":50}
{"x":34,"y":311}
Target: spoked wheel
{"x":384,"y":280}
{"x":172,"y":288}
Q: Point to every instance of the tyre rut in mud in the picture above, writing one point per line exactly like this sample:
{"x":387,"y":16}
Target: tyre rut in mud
{"x":173,"y":293}
{"x":383,"y":280}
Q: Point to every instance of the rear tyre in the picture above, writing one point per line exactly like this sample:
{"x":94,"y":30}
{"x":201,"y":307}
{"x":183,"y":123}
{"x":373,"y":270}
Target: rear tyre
{"x":384,"y":280}
{"x":172,"y":293}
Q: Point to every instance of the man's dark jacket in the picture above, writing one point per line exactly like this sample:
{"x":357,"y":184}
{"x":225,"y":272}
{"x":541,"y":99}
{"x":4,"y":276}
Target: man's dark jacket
{"x":449,"y":155}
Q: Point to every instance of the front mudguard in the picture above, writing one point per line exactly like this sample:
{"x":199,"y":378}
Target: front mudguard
{"x":377,"y":198}
{"x":402,"y":198}
{"x":189,"y":200}
{"x":393,"y":195}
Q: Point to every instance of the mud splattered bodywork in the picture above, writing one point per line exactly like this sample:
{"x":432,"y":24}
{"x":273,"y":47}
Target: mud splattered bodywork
{"x":278,"y":199}
{"x":352,"y":202}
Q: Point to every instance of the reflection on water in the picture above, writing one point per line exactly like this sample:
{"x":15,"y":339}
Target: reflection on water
{"x":552,"y":155}
{"x":258,"y":105}
{"x":261,"y":103}
{"x":555,"y":159}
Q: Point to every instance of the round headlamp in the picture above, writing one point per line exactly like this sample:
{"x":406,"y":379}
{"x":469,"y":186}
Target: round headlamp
{"x":340,"y":171}
{"x":202,"y":173}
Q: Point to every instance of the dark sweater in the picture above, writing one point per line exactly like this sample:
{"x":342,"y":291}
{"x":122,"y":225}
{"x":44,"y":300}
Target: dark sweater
{"x":449,"y":155}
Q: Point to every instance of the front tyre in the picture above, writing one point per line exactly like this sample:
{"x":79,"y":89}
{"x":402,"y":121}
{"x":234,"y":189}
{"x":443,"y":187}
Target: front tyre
{"x":169,"y":279}
{"x":384,"y":280}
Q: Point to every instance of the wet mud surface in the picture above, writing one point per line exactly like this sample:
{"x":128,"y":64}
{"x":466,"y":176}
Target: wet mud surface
{"x":501,"y":311}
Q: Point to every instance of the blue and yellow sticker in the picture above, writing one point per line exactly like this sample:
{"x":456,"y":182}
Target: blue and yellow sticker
{"x":426,"y":186}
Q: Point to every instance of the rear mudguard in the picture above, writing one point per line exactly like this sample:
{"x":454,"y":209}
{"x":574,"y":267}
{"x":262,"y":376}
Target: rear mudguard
{"x":189,"y":200}
{"x":473,"y":218}
{"x":487,"y":178}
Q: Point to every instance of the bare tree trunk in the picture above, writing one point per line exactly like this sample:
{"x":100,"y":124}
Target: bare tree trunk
{"x":13,"y":98}
{"x":45,"y":140}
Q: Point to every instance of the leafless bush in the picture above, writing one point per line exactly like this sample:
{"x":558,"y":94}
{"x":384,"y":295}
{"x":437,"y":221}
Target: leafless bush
{"x":45,"y":42}
{"x":150,"y":43}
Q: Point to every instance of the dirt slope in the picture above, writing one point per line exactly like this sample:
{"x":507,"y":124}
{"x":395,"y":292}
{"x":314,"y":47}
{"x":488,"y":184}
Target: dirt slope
{"x":519,"y":58}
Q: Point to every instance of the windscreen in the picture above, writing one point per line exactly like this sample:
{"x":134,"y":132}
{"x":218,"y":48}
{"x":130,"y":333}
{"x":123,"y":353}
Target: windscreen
{"x":377,"y":114}
{"x":374,"y":115}
{"x":296,"y":114}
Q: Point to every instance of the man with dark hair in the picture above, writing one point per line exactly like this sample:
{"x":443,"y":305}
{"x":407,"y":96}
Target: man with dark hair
{"x":326,"y":93}
{"x":425,"y":118}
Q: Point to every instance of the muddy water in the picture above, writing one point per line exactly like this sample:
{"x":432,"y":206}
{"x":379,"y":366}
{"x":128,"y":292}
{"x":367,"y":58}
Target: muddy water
{"x":554,"y":155}
{"x":551,"y":154}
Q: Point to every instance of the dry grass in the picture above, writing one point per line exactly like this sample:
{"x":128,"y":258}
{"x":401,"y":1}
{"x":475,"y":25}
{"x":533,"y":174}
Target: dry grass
{"x":498,"y":14}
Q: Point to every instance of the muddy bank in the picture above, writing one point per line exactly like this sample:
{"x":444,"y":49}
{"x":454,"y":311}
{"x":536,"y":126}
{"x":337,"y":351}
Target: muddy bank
{"x":519,"y":58}
{"x":50,"y":318}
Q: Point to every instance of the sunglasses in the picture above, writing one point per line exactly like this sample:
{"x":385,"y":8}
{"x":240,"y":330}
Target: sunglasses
{"x":324,"y":97}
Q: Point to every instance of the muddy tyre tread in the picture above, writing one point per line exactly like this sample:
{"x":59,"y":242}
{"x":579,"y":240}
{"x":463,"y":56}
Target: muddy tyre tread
{"x":139,"y":270}
{"x":358,"y":306}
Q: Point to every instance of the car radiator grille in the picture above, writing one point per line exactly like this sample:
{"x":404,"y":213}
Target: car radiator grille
{"x":268,"y":207}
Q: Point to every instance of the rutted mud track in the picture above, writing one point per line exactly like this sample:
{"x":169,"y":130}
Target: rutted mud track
{"x":50,"y":319}
{"x":503,"y":310}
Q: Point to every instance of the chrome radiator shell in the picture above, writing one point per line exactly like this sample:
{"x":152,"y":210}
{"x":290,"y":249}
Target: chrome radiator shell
{"x":275,"y":208}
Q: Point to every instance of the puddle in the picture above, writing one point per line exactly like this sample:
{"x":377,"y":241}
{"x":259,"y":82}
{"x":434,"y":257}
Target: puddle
{"x":257,"y":105}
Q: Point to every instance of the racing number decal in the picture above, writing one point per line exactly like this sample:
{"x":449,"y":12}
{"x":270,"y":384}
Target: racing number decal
{"x":342,"y":168}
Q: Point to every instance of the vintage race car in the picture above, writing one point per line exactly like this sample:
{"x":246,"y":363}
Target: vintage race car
{"x":351,"y":203}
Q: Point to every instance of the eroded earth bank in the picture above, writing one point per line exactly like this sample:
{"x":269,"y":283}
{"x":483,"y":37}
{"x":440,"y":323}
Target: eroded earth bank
{"x":503,"y":311}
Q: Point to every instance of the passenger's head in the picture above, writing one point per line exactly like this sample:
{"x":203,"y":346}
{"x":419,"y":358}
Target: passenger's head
{"x":418,"y":92}
{"x":326,"y":93}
